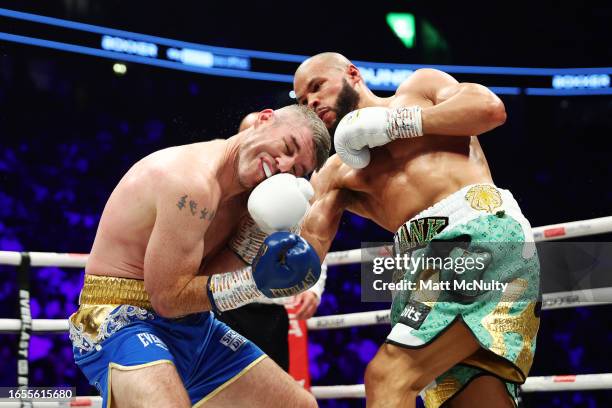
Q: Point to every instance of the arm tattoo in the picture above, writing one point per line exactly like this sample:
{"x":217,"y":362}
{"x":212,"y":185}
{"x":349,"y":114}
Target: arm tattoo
{"x":205,"y":214}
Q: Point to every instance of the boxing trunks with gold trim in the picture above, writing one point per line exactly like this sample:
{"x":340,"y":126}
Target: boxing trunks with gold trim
{"x":473,"y":260}
{"x":116,"y":328}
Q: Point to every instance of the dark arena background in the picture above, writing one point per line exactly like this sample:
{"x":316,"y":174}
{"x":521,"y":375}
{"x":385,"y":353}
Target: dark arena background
{"x":80,"y":103}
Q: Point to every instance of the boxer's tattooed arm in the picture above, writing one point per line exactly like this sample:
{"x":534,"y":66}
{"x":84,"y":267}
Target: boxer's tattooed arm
{"x":204,"y":214}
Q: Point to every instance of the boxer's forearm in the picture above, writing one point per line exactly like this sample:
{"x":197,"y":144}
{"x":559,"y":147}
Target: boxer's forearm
{"x":225,"y":260}
{"x":184,"y":298}
{"x":320,"y":231}
{"x":321,"y":223}
{"x":471,"y":111}
{"x":191,"y":296}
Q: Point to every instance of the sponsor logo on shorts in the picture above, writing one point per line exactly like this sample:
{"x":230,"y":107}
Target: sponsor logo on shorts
{"x":147,"y":339}
{"x":232,"y":340}
{"x":414,"y":314}
{"x":484,"y":198}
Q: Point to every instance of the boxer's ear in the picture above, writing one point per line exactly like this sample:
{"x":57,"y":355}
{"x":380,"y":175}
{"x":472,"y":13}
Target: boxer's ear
{"x":264,"y":116}
{"x":353,"y":74}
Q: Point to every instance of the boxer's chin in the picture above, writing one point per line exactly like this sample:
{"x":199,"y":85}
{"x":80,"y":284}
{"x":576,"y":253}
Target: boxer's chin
{"x":250,"y":177}
{"x":247,"y":181}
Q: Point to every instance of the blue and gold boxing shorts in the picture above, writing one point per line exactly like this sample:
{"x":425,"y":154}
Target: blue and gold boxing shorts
{"x":116,"y":328}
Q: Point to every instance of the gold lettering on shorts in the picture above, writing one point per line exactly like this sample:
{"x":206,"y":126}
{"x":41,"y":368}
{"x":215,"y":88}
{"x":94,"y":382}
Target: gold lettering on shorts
{"x":525,"y":323}
{"x":438,"y":395}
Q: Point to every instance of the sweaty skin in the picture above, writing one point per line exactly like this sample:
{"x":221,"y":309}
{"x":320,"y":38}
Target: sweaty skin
{"x":170,"y":217}
{"x":405,"y":176}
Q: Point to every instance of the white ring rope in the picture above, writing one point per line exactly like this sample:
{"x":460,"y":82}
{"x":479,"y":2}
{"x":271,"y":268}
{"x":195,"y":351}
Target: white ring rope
{"x":547,"y":233}
{"x":533,"y":384}
{"x":551,"y":301}
{"x":45,"y":259}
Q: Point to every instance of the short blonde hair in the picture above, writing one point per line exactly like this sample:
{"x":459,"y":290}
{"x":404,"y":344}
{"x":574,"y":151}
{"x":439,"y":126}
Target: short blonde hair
{"x":320,"y":134}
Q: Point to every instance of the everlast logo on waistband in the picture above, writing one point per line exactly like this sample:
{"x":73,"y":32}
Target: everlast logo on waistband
{"x":414,"y":314}
{"x":418,"y":232}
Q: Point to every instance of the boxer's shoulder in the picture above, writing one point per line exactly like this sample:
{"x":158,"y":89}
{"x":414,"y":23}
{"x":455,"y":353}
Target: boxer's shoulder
{"x":332,"y":176}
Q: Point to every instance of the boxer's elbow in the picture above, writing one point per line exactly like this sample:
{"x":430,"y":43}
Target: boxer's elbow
{"x":496,"y":112}
{"x":164,"y":305}
{"x":490,"y":108}
{"x":493,"y":108}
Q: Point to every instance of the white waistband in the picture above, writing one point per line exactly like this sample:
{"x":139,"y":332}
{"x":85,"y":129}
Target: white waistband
{"x":464,"y":205}
{"x":472,"y":201}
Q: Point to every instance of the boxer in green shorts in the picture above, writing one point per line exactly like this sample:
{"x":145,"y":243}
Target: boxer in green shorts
{"x":495,"y":297}
{"x":412,"y":163}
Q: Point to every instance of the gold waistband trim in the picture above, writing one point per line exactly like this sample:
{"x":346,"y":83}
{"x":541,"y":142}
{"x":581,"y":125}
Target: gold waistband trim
{"x":110,"y":290}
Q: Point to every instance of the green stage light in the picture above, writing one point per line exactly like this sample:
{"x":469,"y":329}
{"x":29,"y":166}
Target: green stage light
{"x":403,"y":26}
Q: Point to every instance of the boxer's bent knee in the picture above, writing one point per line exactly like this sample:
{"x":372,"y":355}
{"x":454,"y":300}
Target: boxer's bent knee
{"x":392,"y":371}
{"x":155,"y":385}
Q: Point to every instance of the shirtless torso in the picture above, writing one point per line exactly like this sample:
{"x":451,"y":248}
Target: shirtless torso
{"x":406,"y":177}
{"x":403,"y":177}
{"x":125,"y":228}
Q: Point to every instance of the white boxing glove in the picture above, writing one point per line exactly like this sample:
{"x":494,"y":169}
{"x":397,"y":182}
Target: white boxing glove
{"x":369,"y":127}
{"x":280,"y":202}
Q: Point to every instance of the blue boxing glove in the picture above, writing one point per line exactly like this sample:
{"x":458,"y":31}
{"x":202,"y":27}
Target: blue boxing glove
{"x":284,"y":266}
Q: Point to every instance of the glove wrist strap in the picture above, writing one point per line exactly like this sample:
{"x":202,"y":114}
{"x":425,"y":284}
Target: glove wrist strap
{"x":232,"y":290}
{"x":247,"y":240}
{"x":405,"y":122}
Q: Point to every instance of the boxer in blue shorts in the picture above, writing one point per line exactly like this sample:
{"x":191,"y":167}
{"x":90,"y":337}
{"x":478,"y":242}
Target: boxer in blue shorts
{"x":144,"y":333}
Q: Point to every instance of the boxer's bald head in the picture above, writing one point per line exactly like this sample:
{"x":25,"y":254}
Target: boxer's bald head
{"x":327,"y":83}
{"x":325,"y":60}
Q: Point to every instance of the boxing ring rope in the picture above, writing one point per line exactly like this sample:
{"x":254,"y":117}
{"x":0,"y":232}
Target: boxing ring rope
{"x":533,"y":384}
{"x":546,"y":233}
{"x":550,"y":301}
